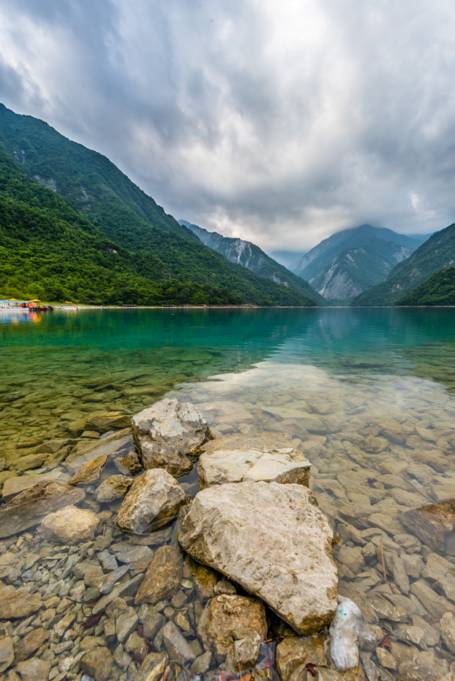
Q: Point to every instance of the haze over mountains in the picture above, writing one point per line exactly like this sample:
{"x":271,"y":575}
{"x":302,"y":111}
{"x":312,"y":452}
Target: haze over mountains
{"x":352,"y":260}
{"x":252,"y":257}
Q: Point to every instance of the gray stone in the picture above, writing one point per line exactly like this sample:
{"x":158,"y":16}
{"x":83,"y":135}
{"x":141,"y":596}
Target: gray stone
{"x":152,"y":502}
{"x":162,"y":576}
{"x":167,"y":432}
{"x":112,"y":488}
{"x":272,"y":540}
{"x":176,"y":644}
{"x":125,"y":623}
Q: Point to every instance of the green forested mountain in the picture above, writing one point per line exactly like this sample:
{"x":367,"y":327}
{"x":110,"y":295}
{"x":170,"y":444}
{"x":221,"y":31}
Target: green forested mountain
{"x":439,"y":289}
{"x":74,"y":227}
{"x":252,"y":257}
{"x":436,"y":254}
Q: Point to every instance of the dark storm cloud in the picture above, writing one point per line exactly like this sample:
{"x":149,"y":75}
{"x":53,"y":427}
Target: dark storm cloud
{"x":276,"y":121}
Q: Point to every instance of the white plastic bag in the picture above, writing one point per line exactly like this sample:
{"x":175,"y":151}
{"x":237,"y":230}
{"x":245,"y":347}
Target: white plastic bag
{"x":344,"y":634}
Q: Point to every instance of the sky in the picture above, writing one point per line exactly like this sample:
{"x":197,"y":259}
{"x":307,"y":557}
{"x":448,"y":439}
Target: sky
{"x":279,"y":121}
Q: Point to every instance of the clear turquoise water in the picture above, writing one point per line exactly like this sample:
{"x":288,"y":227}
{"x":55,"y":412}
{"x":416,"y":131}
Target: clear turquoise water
{"x":368,"y":395}
{"x":58,"y":367}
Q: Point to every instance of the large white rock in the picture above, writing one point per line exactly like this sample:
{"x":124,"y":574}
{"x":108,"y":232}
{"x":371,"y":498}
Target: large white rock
{"x":166,"y":433}
{"x":152,"y":501}
{"x":273,"y":540}
{"x":284,"y":465}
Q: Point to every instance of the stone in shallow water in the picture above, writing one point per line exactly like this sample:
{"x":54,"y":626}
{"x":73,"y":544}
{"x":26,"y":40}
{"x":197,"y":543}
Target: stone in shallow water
{"x":27,"y":508}
{"x":167,"y":432}
{"x":294,"y":653}
{"x":271,"y":539}
{"x":30,"y":643}
{"x":284,"y":465}
{"x":6,"y":652}
{"x":432,"y":523}
{"x":113,"y":488}
{"x":19,"y":483}
{"x":230,"y":618}
{"x":162,"y":576}
{"x":153,"y":667}
{"x":97,"y":663}
{"x":17,"y":603}
{"x":33,"y":670}
{"x":178,"y":648}
{"x":89,"y":472}
{"x":70,"y":525}
{"x":448,"y":631}
{"x":153,"y":501}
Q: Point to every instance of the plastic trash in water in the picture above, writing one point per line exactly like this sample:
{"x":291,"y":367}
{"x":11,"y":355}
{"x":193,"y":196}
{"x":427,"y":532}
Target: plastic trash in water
{"x":344,"y":634}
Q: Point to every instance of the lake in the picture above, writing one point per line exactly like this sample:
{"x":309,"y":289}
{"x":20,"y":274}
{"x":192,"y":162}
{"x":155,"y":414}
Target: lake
{"x":368,"y":394}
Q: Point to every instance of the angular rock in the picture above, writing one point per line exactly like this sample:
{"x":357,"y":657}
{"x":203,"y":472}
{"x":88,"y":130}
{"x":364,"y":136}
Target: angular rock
{"x":33,"y":669}
{"x":166,"y":433}
{"x":113,"y":488}
{"x":432,"y":523}
{"x":178,"y":648}
{"x":89,"y":472}
{"x":152,"y":667}
{"x":447,"y":625}
{"x":162,"y":576}
{"x":27,"y":508}
{"x":129,"y":463}
{"x":431,"y":601}
{"x":6,"y":652}
{"x":97,"y":663}
{"x":30,"y":643}
{"x":271,"y":539}
{"x":230,"y":618}
{"x":294,"y":653}
{"x":17,"y":603}
{"x":70,"y":525}
{"x":284,"y":465}
{"x":153,"y":501}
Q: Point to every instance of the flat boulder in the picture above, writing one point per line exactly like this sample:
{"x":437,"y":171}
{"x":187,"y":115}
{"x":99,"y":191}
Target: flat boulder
{"x":152,"y":501}
{"x":167,"y":433}
{"x":162,"y":576}
{"x":285,"y":465}
{"x":432,"y":524}
{"x":70,"y":525}
{"x":17,"y":603}
{"x":27,"y":508}
{"x":271,"y":539}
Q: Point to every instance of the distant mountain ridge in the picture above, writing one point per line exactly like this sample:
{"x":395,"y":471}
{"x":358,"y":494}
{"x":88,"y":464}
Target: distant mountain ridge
{"x":289,"y":259}
{"x":433,"y":256}
{"x":353,"y":260}
{"x":253,"y":258}
{"x":177,"y":267}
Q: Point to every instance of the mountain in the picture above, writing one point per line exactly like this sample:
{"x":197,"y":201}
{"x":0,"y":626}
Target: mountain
{"x":439,"y":289}
{"x":253,"y":258}
{"x":436,"y":254}
{"x":289,"y":259}
{"x":353,"y":260}
{"x":152,"y":246}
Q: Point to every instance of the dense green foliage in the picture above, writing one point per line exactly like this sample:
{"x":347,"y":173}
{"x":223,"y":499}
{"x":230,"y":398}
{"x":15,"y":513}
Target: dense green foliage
{"x":72,"y":226}
{"x":439,"y":289}
{"x":436,"y":254}
{"x":255,"y":259}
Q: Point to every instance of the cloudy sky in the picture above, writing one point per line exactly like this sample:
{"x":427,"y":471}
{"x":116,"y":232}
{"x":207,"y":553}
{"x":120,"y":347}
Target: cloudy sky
{"x":280,"y":121}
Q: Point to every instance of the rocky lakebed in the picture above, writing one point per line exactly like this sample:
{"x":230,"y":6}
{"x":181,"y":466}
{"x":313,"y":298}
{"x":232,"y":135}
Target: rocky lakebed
{"x":179,"y":548}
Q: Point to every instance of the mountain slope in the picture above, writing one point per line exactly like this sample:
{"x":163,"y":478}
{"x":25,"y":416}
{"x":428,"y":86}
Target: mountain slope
{"x":350,"y":261}
{"x":158,"y":248}
{"x":439,"y":289}
{"x":436,"y":254}
{"x":253,"y":258}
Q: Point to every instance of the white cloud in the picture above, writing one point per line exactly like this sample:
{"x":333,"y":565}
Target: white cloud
{"x":275,"y":121}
